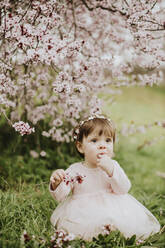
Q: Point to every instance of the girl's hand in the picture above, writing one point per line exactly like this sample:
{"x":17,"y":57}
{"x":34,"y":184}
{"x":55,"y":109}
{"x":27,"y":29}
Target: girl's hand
{"x":56,"y":178}
{"x":105,"y":163}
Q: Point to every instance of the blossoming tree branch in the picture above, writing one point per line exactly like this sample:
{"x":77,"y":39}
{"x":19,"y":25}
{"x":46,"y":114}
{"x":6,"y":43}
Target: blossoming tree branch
{"x":56,"y":55}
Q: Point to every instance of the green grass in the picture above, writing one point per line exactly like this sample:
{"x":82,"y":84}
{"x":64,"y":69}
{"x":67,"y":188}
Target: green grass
{"x":25,"y":203}
{"x":28,"y":209}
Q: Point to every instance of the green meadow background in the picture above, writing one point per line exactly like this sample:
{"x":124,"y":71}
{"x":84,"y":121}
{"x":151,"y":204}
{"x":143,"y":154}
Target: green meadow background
{"x":26,"y":204}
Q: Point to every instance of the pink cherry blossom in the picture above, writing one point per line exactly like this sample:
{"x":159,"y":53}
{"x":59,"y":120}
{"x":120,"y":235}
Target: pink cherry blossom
{"x":78,"y":178}
{"x":43,"y":154}
{"x":106,"y":229}
{"x":61,"y":237}
{"x":23,"y":128}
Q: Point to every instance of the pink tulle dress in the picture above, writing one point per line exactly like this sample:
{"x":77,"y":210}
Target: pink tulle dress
{"x":87,"y":205}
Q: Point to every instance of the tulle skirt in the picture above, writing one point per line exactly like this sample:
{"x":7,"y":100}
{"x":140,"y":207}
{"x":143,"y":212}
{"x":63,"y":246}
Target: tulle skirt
{"x":85,"y":215}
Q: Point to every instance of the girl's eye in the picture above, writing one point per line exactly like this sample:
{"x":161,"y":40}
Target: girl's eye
{"x":94,"y":140}
{"x":108,"y":140}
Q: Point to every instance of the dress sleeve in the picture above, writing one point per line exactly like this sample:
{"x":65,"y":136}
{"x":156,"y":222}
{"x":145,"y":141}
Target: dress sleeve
{"x":62,"y":190}
{"x":119,"y":181}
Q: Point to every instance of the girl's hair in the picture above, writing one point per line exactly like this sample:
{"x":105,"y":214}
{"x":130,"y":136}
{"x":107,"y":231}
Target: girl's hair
{"x":102,"y":124}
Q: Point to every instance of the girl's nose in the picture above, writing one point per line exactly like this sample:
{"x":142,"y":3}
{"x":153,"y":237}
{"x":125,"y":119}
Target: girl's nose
{"x":102,"y":146}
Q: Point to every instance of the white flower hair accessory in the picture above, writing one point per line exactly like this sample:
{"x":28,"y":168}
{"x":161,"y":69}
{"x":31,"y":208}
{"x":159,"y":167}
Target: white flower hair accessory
{"x":77,"y":130}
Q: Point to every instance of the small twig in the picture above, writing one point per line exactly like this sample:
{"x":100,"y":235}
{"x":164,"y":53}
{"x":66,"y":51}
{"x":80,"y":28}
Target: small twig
{"x":150,"y":142}
{"x":154,"y":4}
{"x":162,"y":29}
{"x":110,"y":9}
{"x":162,"y":229}
{"x":126,"y":3}
{"x":153,"y":22}
{"x":9,"y":121}
{"x":74,"y":24}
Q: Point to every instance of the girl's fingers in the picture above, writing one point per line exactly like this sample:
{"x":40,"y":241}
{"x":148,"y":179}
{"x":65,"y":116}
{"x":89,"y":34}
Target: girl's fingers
{"x":61,"y":174}
{"x":57,"y":176}
{"x":52,"y":179}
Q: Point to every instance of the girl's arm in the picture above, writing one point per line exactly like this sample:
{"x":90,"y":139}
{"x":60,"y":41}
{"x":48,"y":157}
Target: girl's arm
{"x":119,"y":181}
{"x":62,"y":190}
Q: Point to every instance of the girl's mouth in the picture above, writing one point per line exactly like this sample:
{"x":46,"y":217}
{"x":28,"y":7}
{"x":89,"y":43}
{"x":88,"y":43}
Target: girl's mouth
{"x":100,"y":154}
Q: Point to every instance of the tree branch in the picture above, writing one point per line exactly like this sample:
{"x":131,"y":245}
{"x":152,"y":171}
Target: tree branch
{"x":110,"y":9}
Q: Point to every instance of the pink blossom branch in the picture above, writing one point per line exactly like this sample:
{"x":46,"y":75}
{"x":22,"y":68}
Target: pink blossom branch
{"x":151,"y":142}
{"x":21,"y":127}
{"x":66,"y":48}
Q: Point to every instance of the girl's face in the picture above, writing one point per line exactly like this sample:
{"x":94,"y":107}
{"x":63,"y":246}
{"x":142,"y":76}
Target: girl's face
{"x":94,"y":145}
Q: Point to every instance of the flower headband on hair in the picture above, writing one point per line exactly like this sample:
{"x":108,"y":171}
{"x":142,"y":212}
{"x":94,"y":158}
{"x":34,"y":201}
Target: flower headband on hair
{"x":77,"y":130}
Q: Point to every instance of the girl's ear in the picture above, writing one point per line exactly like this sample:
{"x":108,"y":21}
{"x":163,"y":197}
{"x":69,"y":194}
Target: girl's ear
{"x":79,"y":147}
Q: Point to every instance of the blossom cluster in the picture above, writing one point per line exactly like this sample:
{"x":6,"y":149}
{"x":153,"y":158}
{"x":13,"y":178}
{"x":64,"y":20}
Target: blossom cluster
{"x":23,"y":128}
{"x":78,"y":178}
{"x":60,"y":238}
{"x":106,"y":229}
